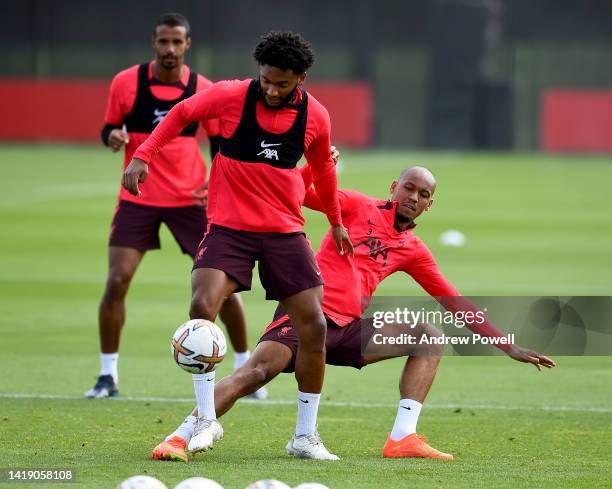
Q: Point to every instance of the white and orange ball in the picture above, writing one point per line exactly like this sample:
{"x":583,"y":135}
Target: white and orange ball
{"x":198,"y":346}
{"x":142,"y":482}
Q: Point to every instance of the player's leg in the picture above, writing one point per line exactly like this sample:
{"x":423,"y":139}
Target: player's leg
{"x":134,"y":230}
{"x":269,"y":359}
{"x":188,"y":225}
{"x":210,"y":288}
{"x":233,"y":316}
{"x":416,"y":380}
{"x":223,"y":265}
{"x":289,"y":273}
{"x":306,"y":316}
{"x":123,"y":263}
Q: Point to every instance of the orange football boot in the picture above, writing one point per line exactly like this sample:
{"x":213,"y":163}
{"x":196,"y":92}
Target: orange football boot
{"x":412,"y":446}
{"x":172,"y":449}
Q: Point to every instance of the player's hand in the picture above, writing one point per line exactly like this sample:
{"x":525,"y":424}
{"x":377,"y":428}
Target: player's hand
{"x":201,"y":194}
{"x":135,"y":173}
{"x":530,"y":356}
{"x":117,"y":138}
{"x":335,"y":154}
{"x":342,"y":239}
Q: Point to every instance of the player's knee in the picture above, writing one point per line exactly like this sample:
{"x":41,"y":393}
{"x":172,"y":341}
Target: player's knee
{"x":202,"y":308}
{"x":311,"y":335}
{"x":258,"y":377}
{"x":117,"y":285}
{"x":434,"y":348}
{"x":250,"y":378}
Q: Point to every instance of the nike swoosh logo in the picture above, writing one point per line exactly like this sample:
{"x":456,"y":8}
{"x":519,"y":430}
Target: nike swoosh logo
{"x":302,"y":400}
{"x":406,"y":408}
{"x":371,"y":223}
{"x":264,"y":145}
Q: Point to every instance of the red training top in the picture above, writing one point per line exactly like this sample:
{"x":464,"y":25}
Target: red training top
{"x":178,"y":169}
{"x":255,"y":196}
{"x":380,"y":250}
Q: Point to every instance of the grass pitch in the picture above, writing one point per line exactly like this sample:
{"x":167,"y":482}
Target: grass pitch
{"x":534,"y":225}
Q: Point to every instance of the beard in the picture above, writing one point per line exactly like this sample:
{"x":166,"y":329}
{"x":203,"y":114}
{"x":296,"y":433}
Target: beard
{"x":283,"y":103}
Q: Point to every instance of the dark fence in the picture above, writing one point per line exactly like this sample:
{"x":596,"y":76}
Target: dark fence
{"x":444,"y":73}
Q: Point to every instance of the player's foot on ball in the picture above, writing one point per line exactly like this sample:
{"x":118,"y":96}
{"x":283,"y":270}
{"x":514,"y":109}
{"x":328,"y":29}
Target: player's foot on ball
{"x":172,"y":449}
{"x":205,"y":434}
{"x":105,"y":387}
{"x":412,"y":446}
{"x":309,"y":446}
{"x":261,"y":393}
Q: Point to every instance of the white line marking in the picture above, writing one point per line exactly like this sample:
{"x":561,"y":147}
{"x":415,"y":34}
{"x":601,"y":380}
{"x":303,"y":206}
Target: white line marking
{"x":286,"y":402}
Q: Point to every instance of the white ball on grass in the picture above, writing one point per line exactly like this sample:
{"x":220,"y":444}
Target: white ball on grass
{"x":198,"y":483}
{"x":311,"y":485}
{"x":452,"y":237}
{"x":268,"y":484}
{"x":142,"y":482}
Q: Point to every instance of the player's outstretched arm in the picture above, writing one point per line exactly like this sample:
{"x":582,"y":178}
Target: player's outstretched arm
{"x":201,"y":106}
{"x":525,"y":355}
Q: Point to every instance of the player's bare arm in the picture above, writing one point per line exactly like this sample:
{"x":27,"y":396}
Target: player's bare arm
{"x":525,"y":355}
{"x":340,"y":234}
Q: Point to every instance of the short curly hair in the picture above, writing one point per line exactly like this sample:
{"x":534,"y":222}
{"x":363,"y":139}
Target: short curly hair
{"x":285,"y":50}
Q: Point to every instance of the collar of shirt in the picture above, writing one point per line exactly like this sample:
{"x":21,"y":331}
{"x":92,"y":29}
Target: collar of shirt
{"x":182,"y":83}
{"x":389,"y":210}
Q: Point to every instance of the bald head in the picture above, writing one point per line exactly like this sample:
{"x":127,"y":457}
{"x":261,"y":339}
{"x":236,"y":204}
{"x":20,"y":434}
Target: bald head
{"x":413,"y":192}
{"x":419,"y":173}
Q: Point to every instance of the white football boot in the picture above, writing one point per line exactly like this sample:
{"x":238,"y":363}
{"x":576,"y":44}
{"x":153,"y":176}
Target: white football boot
{"x":205,"y":434}
{"x":309,"y":446}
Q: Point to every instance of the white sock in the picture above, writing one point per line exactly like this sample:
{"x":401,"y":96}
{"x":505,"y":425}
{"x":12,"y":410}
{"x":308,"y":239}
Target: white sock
{"x":109,"y":365}
{"x":240,"y":358}
{"x":204,"y":386}
{"x":185,"y":430}
{"x":406,"y":420}
{"x":308,"y":405}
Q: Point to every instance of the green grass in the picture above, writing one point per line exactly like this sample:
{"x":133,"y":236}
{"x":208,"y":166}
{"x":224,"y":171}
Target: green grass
{"x":534,"y":225}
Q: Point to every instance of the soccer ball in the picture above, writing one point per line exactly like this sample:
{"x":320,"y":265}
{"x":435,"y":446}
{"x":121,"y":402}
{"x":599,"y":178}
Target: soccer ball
{"x":268,"y":484}
{"x":142,"y":482}
{"x":198,"y":483}
{"x":311,"y":485}
{"x":198,"y":346}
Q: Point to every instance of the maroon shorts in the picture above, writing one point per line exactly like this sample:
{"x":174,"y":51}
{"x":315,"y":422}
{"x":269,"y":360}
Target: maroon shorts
{"x":343,"y":344}
{"x":137,"y":226}
{"x":286,"y":261}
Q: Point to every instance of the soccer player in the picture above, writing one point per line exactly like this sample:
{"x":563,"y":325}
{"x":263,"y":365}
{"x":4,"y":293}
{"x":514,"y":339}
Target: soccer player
{"x":254,"y":208}
{"x":139,"y":98}
{"x":382,"y":233}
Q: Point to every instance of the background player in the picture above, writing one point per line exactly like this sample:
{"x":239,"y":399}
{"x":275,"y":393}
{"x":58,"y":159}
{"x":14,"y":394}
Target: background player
{"x":390,"y":224}
{"x":139,"y":99}
{"x":254,"y":202}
